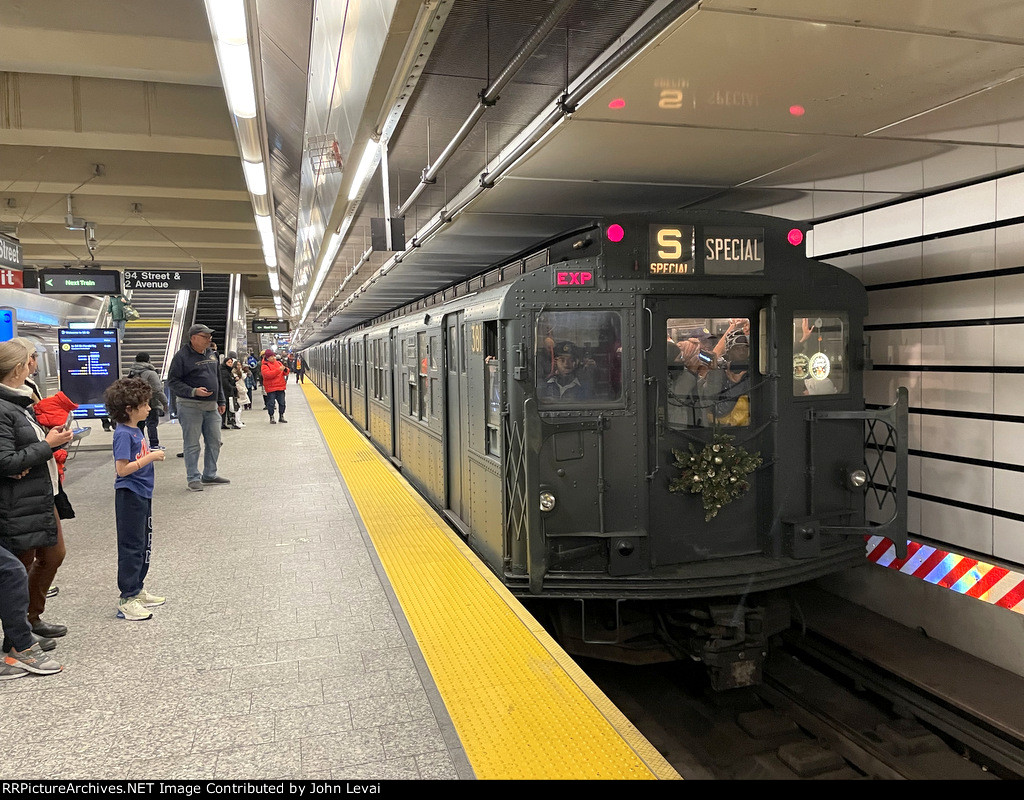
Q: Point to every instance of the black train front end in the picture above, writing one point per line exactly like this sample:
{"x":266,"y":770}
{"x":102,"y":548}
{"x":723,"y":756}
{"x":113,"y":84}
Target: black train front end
{"x":646,"y":429}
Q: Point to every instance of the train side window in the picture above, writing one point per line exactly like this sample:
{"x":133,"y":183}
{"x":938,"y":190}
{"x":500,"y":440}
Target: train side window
{"x":421,"y":385}
{"x":579,"y":358}
{"x":821,"y":346}
{"x":492,"y":389}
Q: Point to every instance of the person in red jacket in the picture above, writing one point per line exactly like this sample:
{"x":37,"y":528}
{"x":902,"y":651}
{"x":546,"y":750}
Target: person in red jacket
{"x":275,"y":380}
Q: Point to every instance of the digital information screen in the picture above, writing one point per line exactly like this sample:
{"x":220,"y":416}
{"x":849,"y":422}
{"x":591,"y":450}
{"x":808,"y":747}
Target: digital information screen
{"x":79,"y":281}
{"x":88,"y":362}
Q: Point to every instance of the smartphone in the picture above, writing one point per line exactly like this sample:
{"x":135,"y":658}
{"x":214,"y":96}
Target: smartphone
{"x":706,"y":357}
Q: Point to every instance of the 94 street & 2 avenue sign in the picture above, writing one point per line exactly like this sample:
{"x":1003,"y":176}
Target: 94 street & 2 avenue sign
{"x":163,"y":279}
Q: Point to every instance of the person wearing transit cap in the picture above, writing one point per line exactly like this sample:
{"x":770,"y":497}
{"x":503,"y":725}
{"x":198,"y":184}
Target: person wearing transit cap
{"x":194,"y":379}
{"x":564,"y":385}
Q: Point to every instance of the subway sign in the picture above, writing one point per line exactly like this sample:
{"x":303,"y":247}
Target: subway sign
{"x":10,"y":252}
{"x":573,"y":278}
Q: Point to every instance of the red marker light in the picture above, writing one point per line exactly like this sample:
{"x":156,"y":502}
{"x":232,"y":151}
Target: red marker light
{"x":796,"y":111}
{"x":615,"y":233}
{"x":617,"y":103}
{"x":795,"y":236}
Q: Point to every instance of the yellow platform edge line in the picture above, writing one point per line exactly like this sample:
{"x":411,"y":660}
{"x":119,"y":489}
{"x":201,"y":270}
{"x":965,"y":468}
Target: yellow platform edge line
{"x":343,"y":439}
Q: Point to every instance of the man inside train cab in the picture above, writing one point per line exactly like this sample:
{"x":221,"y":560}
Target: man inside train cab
{"x":565,"y":385}
{"x":194,"y":379}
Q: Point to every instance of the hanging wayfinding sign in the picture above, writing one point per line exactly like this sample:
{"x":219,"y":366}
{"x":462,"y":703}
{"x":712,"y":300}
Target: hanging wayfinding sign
{"x":174,"y":279}
{"x":10,"y":252}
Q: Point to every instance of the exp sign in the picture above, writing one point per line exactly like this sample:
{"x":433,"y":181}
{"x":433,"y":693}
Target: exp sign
{"x":573,"y":278}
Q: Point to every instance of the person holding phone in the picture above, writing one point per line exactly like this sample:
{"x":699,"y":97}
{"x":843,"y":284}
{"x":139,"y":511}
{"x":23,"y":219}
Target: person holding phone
{"x":29,"y":525}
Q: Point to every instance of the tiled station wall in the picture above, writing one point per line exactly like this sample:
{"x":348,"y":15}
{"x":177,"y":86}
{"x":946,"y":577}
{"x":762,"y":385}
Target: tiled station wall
{"x":945,"y":278}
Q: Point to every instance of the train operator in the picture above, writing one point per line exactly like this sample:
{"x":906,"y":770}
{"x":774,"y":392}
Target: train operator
{"x":194,"y":379}
{"x":565,"y":384}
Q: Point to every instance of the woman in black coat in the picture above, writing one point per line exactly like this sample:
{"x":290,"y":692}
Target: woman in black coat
{"x":29,"y":526}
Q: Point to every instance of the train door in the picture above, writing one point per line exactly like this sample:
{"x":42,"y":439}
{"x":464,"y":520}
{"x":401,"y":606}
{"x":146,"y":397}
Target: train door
{"x":395,"y":394}
{"x":454,"y":412}
{"x":702,"y":383}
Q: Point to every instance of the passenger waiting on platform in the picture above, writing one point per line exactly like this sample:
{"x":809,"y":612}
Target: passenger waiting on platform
{"x":227,"y":383}
{"x":275,"y":381}
{"x":22,"y":650}
{"x":145,"y":371}
{"x":29,"y":525}
{"x":194,"y":379}
{"x":300,"y":369}
{"x":241,"y":392}
{"x":128,"y":403}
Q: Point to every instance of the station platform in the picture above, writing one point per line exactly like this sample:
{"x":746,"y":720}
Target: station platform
{"x":322,"y":622}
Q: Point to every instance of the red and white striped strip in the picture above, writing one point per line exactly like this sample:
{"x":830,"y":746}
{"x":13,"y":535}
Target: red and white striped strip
{"x":958,"y":573}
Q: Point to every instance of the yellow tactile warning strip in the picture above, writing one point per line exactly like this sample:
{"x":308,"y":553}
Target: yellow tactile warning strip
{"x":520,"y":705}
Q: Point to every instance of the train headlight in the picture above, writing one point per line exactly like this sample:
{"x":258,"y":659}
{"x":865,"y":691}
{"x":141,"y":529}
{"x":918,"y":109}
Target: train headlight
{"x":857,"y":478}
{"x":547,"y":501}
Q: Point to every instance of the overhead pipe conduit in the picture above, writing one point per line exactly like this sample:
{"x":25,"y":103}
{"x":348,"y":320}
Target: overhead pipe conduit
{"x":488,"y":97}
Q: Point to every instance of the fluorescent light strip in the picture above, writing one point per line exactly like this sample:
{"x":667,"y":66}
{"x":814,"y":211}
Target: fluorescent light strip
{"x":236,"y":70}
{"x":366,"y":164}
{"x":255,"y":176}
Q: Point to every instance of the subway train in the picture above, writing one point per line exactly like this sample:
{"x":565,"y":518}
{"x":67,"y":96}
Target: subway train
{"x":647,"y":428}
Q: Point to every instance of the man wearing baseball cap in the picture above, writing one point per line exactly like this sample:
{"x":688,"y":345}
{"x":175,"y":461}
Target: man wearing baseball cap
{"x":194,"y":379}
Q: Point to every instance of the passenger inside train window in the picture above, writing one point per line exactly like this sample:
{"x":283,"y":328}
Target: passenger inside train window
{"x":725,"y":390}
{"x":579,"y":357}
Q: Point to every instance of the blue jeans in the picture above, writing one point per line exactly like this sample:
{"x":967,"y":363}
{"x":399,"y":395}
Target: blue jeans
{"x":194,"y":421}
{"x":133,"y":516}
{"x":278,"y":398}
{"x":14,"y":602}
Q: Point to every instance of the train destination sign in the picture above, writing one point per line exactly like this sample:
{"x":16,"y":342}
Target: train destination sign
{"x":79,"y":281}
{"x":733,"y":251}
{"x":671,"y":250}
{"x":175,"y":279}
{"x":270,"y":326}
{"x":10,"y":252}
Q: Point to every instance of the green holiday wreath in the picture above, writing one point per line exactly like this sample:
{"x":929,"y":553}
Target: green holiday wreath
{"x":716,"y":471}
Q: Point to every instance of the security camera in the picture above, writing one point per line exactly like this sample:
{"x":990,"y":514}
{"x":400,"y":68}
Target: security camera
{"x":90,"y":235}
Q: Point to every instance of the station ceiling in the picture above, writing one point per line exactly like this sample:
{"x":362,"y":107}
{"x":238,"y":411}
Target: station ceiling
{"x":797,"y":108}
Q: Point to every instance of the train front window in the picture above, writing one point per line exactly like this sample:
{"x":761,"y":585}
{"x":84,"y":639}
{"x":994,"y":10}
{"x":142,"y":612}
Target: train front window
{"x":820,"y":354}
{"x":708,"y":361}
{"x":579,"y":358}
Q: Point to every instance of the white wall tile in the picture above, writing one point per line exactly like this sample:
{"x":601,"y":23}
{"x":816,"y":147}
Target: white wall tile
{"x":1006,"y":490}
{"x":1009,"y":296}
{"x":960,"y":255}
{"x":1009,"y":345}
{"x":968,"y":345}
{"x":969,"y":299}
{"x":1010,"y":246}
{"x":957,"y":527}
{"x":887,"y":306}
{"x":914,"y":514}
{"x":896,"y":346}
{"x":1008,"y":394}
{"x":838,"y":235}
{"x":957,"y":391}
{"x":1008,"y":539}
{"x":901,"y":263}
{"x":957,"y":163}
{"x":893,"y":223}
{"x":952,"y":481}
{"x":1010,"y":196}
{"x":971,"y":438}
{"x":1008,"y":447}
{"x":970,"y":205}
{"x":880,"y":387}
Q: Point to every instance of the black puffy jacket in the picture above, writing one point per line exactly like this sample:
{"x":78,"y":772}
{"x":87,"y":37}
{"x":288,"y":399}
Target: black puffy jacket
{"x":26,"y":505}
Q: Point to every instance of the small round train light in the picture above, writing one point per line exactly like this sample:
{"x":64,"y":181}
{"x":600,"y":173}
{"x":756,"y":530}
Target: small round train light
{"x":615,"y":233}
{"x":617,"y":103}
{"x":795,"y":236}
{"x":547,"y":501}
{"x":857,"y":478}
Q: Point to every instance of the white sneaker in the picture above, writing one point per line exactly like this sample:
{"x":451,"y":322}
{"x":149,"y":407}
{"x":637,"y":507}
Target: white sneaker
{"x":150,"y":600}
{"x":132,"y":609}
